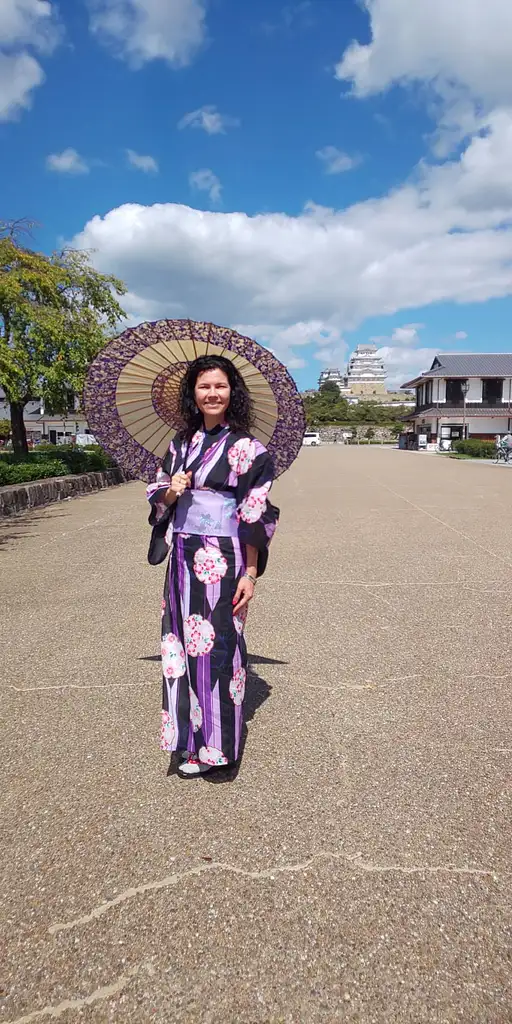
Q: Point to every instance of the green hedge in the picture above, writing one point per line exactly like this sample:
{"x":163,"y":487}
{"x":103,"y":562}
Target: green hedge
{"x":475,"y":449}
{"x":22,"y":472}
{"x":77,"y":459}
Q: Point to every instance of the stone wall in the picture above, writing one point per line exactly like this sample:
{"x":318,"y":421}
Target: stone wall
{"x":20,"y":497}
{"x":329,"y":435}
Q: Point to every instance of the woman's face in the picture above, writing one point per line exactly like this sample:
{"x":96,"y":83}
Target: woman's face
{"x":212,"y":393}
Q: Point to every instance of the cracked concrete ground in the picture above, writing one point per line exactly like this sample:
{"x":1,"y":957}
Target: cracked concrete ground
{"x":357,"y":867}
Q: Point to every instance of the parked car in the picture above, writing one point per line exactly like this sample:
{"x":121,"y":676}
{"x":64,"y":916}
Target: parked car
{"x":311,"y":437}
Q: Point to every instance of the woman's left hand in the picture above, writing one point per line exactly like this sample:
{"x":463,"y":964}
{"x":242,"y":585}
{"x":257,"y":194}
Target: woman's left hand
{"x":244,"y":594}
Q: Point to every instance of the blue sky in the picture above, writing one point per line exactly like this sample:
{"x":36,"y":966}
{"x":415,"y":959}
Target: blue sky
{"x":316,"y":173}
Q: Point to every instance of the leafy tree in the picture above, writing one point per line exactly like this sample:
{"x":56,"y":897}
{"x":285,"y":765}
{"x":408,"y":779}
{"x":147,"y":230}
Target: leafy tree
{"x":329,"y":388}
{"x":326,"y":408}
{"x":55,"y":315}
{"x":5,"y":429}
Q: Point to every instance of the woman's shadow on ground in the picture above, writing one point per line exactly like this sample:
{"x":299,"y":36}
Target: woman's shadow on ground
{"x":256,"y":693}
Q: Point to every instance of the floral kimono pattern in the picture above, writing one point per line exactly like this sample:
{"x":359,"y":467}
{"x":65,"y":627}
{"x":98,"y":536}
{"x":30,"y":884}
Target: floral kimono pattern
{"x":204,"y":656}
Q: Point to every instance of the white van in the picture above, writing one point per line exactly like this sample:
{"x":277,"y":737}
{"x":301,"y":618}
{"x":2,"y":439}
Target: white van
{"x":311,"y":437}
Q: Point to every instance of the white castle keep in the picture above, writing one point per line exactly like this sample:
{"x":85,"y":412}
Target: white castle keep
{"x":366,"y":374}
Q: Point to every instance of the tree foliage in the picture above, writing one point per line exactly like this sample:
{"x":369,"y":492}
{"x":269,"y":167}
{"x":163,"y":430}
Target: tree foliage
{"x":329,"y":408}
{"x":329,"y":388}
{"x":55,"y":315}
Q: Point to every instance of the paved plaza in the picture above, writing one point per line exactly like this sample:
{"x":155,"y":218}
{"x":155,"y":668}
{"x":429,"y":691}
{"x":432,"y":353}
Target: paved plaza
{"x":357,"y":865}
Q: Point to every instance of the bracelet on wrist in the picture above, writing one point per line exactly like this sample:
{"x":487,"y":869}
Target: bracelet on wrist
{"x":248,"y":576}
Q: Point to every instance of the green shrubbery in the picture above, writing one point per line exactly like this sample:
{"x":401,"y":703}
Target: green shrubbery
{"x":22,"y":472}
{"x":78,"y":459}
{"x":474,"y":448}
{"x":52,"y":460}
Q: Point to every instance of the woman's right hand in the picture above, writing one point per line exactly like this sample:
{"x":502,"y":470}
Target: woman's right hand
{"x":178,"y":485}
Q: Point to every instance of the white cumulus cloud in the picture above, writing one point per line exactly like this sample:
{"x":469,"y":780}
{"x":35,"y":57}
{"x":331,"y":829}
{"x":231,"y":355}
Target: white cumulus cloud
{"x":206,"y":181}
{"x":19,"y":74}
{"x":406,"y":335}
{"x":460,"y":49}
{"x":139,"y":31}
{"x":336,"y":161}
{"x":28,"y":23}
{"x":465,"y":41}
{"x":283,"y":341}
{"x":209,"y":120}
{"x":404,"y":364}
{"x":445,"y":235}
{"x":67,"y":162}
{"x":402,"y":354}
{"x":147,"y":164}
{"x":25,"y":25}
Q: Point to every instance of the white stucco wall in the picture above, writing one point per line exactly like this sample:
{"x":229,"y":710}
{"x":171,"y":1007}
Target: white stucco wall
{"x":507,"y":390}
{"x":439,"y":395}
{"x":487,"y":425}
{"x":475,"y":390}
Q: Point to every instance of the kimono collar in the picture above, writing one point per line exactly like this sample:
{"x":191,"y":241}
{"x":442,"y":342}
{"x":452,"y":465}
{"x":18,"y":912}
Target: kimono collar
{"x":215,"y":430}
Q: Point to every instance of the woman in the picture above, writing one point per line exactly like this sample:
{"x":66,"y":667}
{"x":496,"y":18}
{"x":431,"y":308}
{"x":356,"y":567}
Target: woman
{"x":212,"y":489}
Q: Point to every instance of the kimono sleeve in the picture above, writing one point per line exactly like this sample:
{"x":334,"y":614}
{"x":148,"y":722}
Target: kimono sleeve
{"x":155,"y":491}
{"x":257,"y":517}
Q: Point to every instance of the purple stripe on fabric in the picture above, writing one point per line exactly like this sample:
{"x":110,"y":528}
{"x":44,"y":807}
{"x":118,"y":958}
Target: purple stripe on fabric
{"x":172,"y":700}
{"x":182,"y":575}
{"x":207,"y":675}
{"x":194,"y":449}
{"x":238,"y":727}
{"x":191,"y":743}
{"x":237,"y":663}
{"x":216,"y":736}
{"x":184,"y":584}
{"x":210,"y":459}
{"x":260,"y":448}
{"x":204,"y":694}
{"x":270,"y":529}
{"x":239,"y":558}
{"x":212,"y":590}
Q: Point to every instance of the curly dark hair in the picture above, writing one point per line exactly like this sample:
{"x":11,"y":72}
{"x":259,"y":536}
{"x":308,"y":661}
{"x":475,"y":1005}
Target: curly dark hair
{"x":240,"y":409}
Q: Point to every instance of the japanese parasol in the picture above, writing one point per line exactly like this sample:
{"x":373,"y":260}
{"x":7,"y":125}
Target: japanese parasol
{"x":131,"y":395}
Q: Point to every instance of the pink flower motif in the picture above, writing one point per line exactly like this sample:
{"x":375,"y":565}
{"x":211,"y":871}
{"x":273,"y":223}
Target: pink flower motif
{"x":173,"y":657}
{"x":254,"y":504}
{"x":196,"y":715}
{"x":163,"y":607}
{"x":167,"y":732}
{"x":242,"y":455}
{"x":210,"y":566}
{"x":198,"y":436}
{"x":212,"y":756}
{"x":199,"y":635}
{"x":240,"y":620}
{"x":237,"y":686}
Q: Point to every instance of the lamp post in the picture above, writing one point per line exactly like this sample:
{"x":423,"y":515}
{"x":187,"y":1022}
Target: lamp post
{"x":464,"y":389}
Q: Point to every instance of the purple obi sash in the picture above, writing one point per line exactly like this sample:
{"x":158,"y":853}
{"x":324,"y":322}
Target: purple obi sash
{"x":206,"y":512}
